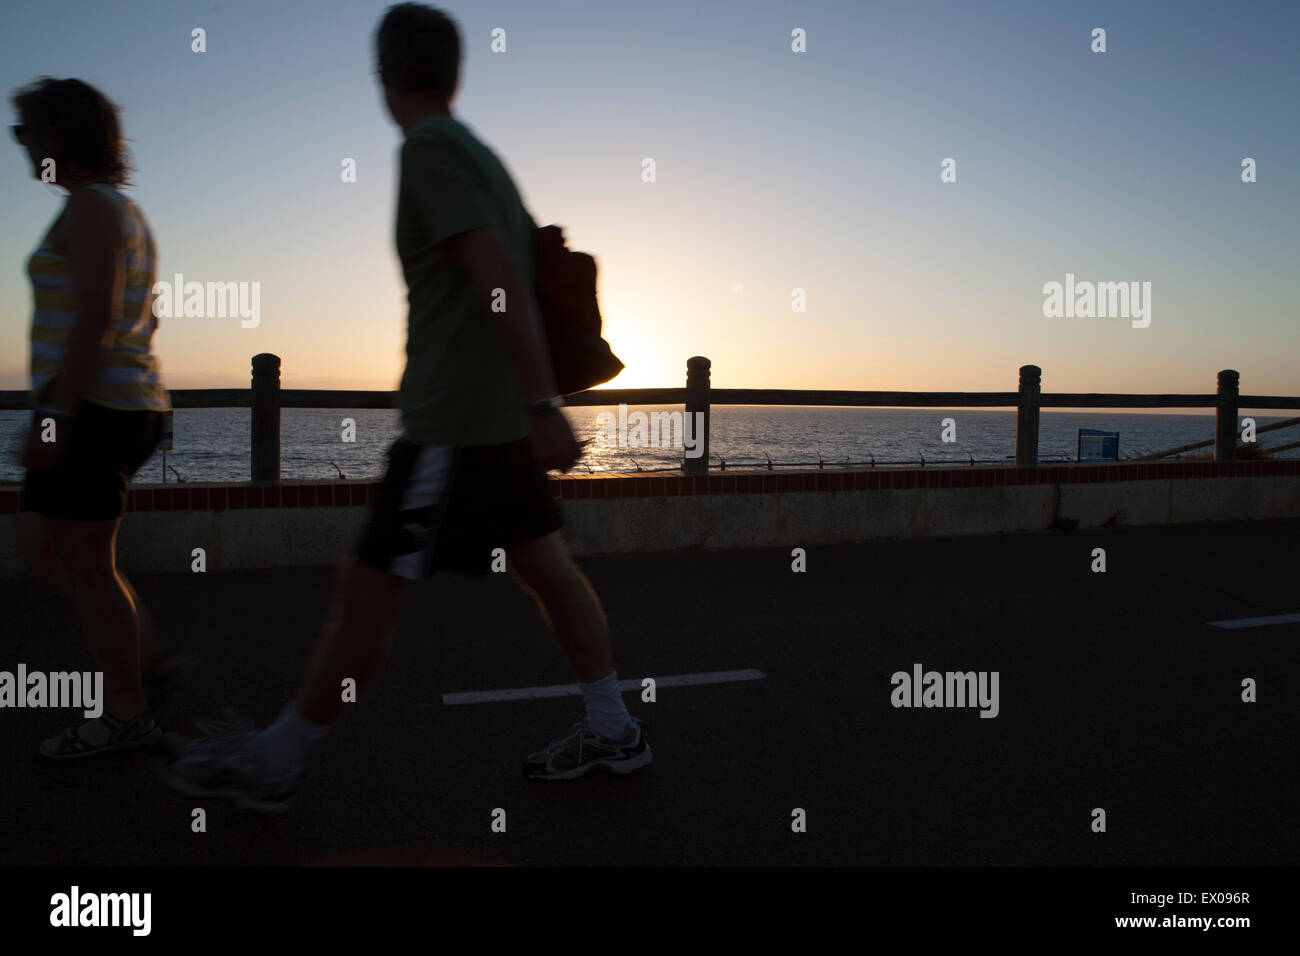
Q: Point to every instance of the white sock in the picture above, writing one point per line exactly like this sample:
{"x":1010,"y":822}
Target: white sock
{"x":284,"y":744}
{"x":606,"y":713}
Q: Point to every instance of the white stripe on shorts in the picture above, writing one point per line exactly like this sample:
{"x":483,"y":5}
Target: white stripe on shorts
{"x":424,"y":488}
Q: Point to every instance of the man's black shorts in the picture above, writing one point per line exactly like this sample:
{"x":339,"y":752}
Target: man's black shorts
{"x":446,"y":508}
{"x":88,"y":482}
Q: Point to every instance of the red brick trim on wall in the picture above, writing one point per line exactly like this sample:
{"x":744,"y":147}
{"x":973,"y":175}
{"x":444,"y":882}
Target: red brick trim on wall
{"x":218,"y":496}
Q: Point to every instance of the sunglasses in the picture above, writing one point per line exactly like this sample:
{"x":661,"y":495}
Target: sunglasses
{"x":18,"y":134}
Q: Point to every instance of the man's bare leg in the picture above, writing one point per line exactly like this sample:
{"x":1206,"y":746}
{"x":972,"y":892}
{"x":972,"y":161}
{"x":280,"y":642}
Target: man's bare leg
{"x":355,"y":640}
{"x":545,"y":569}
{"x":261,"y":770}
{"x":610,"y":737}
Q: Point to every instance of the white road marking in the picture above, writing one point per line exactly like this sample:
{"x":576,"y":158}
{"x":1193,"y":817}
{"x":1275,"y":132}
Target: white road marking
{"x":573,"y":690}
{"x":1258,"y":621}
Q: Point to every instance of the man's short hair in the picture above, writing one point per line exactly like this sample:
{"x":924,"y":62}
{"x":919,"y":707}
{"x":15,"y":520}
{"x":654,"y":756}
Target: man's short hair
{"x":418,"y":49}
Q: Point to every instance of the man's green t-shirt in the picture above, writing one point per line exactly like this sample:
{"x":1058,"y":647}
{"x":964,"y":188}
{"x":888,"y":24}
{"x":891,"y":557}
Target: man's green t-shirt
{"x":459,"y":387}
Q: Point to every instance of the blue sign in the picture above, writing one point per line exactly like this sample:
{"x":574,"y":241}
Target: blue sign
{"x":1096,"y":445}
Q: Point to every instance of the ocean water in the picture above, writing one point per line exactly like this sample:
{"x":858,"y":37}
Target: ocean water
{"x":212,"y":444}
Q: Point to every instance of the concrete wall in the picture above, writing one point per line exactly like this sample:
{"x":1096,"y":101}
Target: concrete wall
{"x":264,"y":537}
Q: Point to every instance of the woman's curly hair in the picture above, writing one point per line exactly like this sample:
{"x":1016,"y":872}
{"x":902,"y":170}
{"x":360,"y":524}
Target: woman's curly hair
{"x":82,"y":122}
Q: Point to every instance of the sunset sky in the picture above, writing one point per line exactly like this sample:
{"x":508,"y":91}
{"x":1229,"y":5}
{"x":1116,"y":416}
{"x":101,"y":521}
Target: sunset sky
{"x":775,"y":170}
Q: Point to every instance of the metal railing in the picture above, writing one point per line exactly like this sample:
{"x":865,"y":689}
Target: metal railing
{"x":266,"y":398}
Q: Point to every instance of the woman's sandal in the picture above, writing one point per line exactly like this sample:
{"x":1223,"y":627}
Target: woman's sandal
{"x":128,"y":735}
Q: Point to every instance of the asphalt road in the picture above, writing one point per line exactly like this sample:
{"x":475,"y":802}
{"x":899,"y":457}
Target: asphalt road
{"x":1114,"y":693}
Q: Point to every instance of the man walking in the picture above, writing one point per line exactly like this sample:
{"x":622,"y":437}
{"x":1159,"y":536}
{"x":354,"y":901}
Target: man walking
{"x":481,"y":425}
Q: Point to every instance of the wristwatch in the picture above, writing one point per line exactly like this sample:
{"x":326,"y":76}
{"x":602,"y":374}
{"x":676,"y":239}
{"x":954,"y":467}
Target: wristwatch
{"x":545,"y":407}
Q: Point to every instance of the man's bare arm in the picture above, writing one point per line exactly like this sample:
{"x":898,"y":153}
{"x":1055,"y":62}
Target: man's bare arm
{"x":486,"y":255}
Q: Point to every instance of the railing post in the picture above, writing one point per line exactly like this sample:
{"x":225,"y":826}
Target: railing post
{"x":1225,"y":415}
{"x":1031,"y":379}
{"x":266,"y":419}
{"x":697,"y":401}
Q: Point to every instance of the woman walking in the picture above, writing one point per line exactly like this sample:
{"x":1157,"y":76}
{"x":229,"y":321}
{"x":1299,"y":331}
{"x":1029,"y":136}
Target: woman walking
{"x":97,"y":389}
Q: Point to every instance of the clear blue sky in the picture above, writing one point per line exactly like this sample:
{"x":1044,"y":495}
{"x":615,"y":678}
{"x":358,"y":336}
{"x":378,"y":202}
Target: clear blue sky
{"x":775,"y":170}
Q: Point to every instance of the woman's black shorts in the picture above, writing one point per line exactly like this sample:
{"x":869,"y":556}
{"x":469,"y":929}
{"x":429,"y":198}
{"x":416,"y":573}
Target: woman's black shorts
{"x":106,"y":446}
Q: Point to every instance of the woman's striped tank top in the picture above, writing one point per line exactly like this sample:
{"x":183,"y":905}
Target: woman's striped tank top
{"x":127,"y":375}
